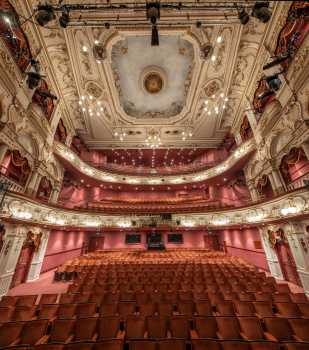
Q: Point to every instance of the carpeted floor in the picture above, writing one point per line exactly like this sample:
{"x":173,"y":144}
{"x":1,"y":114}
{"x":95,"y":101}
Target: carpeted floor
{"x":44,"y":284}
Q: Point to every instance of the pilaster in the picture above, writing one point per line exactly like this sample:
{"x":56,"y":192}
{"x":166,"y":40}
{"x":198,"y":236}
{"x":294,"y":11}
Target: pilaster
{"x":37,"y":260}
{"x":13,"y":242}
{"x":271,"y":256}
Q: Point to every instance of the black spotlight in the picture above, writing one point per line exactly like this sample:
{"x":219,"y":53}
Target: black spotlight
{"x":198,"y":24}
{"x":243,"y":17}
{"x":153,"y":13}
{"x":277,"y":60}
{"x":64,"y":19}
{"x":261,"y":11}
{"x":33,"y":80}
{"x":274,"y":82}
{"x":47,"y":94}
{"x":45,"y":14}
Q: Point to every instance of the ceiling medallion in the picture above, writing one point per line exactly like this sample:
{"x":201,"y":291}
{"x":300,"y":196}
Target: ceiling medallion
{"x":153,"y":79}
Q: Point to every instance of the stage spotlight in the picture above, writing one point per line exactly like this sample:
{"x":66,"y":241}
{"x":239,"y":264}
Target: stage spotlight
{"x":198,"y":24}
{"x":64,"y":19}
{"x":277,"y":60}
{"x":243,"y":17}
{"x":274,"y":82}
{"x":33,"y":79}
{"x":261,"y":11}
{"x":45,"y":14}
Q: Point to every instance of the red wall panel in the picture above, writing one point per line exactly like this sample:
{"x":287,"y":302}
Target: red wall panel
{"x":241,"y":243}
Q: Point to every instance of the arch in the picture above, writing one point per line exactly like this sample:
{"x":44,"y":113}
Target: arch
{"x":278,"y":142}
{"x":294,"y":165}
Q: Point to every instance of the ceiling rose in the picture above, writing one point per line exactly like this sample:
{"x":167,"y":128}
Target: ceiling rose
{"x":153,"y":79}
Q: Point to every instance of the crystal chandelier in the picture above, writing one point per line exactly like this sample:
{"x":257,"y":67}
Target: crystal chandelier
{"x":89,"y":104}
{"x":153,"y":139}
{"x":215,"y":104}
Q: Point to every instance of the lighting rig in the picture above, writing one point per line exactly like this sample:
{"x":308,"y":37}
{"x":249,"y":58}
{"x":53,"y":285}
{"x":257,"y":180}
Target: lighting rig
{"x":154,"y":12}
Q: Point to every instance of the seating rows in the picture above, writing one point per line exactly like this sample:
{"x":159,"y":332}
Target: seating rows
{"x":136,"y":301}
{"x":153,"y":328}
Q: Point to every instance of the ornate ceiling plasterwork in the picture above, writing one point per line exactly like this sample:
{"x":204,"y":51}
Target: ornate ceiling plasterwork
{"x":152,"y":81}
{"x":107,"y":176}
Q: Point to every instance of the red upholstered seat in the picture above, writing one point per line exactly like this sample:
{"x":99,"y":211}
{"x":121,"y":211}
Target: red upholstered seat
{"x":26,"y":300}
{"x":6,"y":313}
{"x":8,"y":300}
{"x":81,"y":297}
{"x":203,"y":308}
{"x":235,"y":345}
{"x":79,"y":346}
{"x":264,"y":345}
{"x":126,"y":308}
{"x":225,"y":308}
{"x":66,"y":298}
{"x":109,"y":309}
{"x":281,"y":297}
{"x":48,"y":298}
{"x":24,"y":313}
{"x":47,"y":311}
{"x":156,"y":327}
{"x":171,"y":344}
{"x":186,"y":308}
{"x":146,"y":309}
{"x":263,"y":308}
{"x":288,"y":309}
{"x":111,"y":298}
{"x":33,"y":331}
{"x":142,"y":298}
{"x":142,"y":345}
{"x":203,"y":344}
{"x":244,"y":308}
{"x":109,"y":345}
{"x":228,"y":327}
{"x":296,"y":346}
{"x":205,"y":327}
{"x":135,"y":327}
{"x":263,"y":296}
{"x":86,"y":310}
{"x":304,"y":309}
{"x":179,"y":327}
{"x":66,"y":310}
{"x":165,"y":309}
{"x":279,"y":329}
{"x":300,"y":327}
{"x":49,"y":347}
{"x":108,"y":327}
{"x":61,"y":330}
{"x":299,"y":298}
{"x":10,"y":333}
{"x":251,"y":328}
{"x":85,"y":329}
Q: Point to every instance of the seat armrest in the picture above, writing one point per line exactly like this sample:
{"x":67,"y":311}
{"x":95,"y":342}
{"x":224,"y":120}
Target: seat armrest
{"x":270,"y":337}
{"x":243,"y":336}
{"x":193,"y":334}
{"x":219,"y":335}
{"x":42,"y":340}
{"x":70,"y":338}
{"x":15,"y":342}
{"x":95,"y":337}
{"x":121,"y":334}
{"x":295,"y":337}
{"x":146,"y":334}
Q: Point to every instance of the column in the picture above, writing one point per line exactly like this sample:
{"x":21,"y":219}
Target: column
{"x":3,"y":149}
{"x":55,"y":194}
{"x":252,"y":121}
{"x":276,"y":180}
{"x":34,"y":182}
{"x":37,"y":260}
{"x":271,"y":255}
{"x":253,"y":191}
{"x":299,"y":245}
{"x":13,"y":242}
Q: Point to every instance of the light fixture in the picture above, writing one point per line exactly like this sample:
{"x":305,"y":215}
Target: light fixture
{"x":289,"y":210}
{"x":64,"y":19}
{"x":89,"y":104}
{"x":153,"y":139}
{"x":261,"y":11}
{"x":45,"y":14}
{"x":153,"y":13}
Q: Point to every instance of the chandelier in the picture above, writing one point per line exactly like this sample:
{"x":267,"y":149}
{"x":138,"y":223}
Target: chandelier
{"x":89,"y":104}
{"x":153,"y":139}
{"x":215,"y":104}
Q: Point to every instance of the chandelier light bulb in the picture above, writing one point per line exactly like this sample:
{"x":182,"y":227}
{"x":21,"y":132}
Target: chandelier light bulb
{"x":219,"y":39}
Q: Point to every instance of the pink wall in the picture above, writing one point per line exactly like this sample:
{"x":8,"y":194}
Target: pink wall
{"x":194,"y":239}
{"x":241,"y":243}
{"x":116,"y":240}
{"x":61,"y":247}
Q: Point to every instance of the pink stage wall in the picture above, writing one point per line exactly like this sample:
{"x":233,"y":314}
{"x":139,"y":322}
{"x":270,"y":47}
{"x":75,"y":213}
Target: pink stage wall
{"x":61,"y":247}
{"x":242,"y":243}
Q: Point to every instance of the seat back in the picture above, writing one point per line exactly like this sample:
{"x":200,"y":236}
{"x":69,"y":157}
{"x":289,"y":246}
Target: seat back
{"x":108,"y":327}
{"x":9,"y":332}
{"x":85,"y":328}
{"x":300,"y":327}
{"x":33,"y":331}
{"x":48,"y":298}
{"x":156,"y":327}
{"x":228,"y":327}
{"x":26,"y":300}
{"x":279,"y":328}
{"x":202,"y":344}
{"x":288,"y":309}
{"x":66,"y":310}
{"x":179,"y":327}
{"x":251,"y":327}
{"x":6,"y":313}
{"x":244,"y":308}
{"x":61,"y":330}
{"x":135,"y":327}
{"x":48,"y":311}
{"x":175,"y":344}
{"x":206,"y":327}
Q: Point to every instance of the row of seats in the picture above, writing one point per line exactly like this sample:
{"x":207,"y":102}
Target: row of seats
{"x":178,"y":327}
{"x":203,"y":308}
{"x":168,"y":344}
